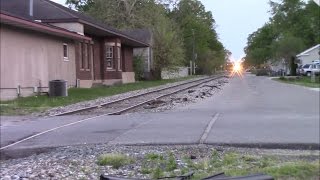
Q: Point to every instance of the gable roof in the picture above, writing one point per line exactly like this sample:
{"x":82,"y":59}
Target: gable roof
{"x":12,"y":20}
{"x":51,"y":12}
{"x":143,"y":35}
{"x":305,"y":53}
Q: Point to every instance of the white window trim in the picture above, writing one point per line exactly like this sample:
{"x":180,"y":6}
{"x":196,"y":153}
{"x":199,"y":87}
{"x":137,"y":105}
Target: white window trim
{"x":66,"y":58}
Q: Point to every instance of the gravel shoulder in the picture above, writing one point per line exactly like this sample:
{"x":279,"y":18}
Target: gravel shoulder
{"x":81,"y":162}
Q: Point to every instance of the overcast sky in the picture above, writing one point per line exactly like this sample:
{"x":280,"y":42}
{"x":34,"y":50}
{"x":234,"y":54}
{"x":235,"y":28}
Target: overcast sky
{"x":235,"y":20}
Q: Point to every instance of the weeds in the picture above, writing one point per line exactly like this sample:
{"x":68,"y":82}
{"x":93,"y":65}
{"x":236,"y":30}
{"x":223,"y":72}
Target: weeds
{"x":114,"y":160}
{"x":157,"y":173}
{"x":233,"y":164}
{"x":171,"y":164}
{"x":153,"y":156}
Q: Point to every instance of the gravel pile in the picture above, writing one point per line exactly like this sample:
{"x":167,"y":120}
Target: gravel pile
{"x":102,"y":100}
{"x":185,"y":97}
{"x":80,"y":162}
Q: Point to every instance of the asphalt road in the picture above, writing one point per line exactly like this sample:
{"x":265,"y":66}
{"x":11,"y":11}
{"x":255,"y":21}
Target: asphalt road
{"x":249,"y":111}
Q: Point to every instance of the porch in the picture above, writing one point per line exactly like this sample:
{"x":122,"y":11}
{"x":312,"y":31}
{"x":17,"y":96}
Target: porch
{"x":103,"y":61}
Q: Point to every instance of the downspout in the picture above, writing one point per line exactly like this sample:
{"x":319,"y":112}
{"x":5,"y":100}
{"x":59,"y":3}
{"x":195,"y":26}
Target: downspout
{"x":31,"y":8}
{"x":149,"y":59}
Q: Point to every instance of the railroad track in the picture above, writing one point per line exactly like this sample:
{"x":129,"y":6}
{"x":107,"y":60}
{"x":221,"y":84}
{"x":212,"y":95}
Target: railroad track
{"x":122,"y":105}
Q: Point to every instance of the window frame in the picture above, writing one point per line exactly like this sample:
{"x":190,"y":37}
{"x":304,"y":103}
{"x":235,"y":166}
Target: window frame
{"x":109,"y":57}
{"x":65,"y":58}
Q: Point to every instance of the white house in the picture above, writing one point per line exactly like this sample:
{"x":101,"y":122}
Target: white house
{"x":310,"y":55}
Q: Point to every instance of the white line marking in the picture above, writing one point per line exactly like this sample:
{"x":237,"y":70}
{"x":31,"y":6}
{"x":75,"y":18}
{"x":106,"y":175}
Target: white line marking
{"x":50,"y":130}
{"x":208,"y":129}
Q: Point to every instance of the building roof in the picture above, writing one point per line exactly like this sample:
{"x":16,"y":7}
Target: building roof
{"x":51,"y":12}
{"x":143,"y":35}
{"x":9,"y":19}
{"x":305,"y":53}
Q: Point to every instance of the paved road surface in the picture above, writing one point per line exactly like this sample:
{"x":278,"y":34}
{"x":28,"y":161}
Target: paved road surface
{"x":250,"y":111}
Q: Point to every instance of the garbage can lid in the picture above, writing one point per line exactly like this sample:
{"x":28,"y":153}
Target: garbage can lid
{"x":58,"y":80}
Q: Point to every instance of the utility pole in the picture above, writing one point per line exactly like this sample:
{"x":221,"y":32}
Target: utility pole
{"x":193,"y":54}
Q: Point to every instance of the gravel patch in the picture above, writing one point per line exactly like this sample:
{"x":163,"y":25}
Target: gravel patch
{"x":80,"y":162}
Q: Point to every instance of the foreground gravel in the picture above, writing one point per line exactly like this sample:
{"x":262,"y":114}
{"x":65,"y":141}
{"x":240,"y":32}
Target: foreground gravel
{"x":80,"y":162}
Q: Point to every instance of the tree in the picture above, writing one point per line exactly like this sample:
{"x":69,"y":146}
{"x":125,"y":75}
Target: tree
{"x":294,"y":25}
{"x":286,"y":48}
{"x":199,"y":35}
{"x":259,"y":45}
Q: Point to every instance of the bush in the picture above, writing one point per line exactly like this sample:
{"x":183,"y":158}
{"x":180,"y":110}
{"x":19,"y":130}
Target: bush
{"x":138,"y":67}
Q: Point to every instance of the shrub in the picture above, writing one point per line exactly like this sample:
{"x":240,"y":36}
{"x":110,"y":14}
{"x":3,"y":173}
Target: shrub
{"x":262,"y":72}
{"x":138,"y":67}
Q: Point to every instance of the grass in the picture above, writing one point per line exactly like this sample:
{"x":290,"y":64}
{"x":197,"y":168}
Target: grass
{"x":158,"y":165}
{"x":27,"y":105}
{"x":233,"y":164}
{"x":114,"y":160}
{"x":302,"y":81}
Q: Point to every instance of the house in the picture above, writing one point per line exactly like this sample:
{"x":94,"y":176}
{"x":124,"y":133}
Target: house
{"x":42,"y":41}
{"x":277,"y":66}
{"x":146,"y":53}
{"x":33,"y":53}
{"x":310,"y":55}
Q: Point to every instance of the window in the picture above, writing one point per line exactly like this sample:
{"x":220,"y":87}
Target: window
{"x":85,"y":56}
{"x":65,"y":52}
{"x":119,"y":58}
{"x":109,"y":57}
{"x":306,"y":66}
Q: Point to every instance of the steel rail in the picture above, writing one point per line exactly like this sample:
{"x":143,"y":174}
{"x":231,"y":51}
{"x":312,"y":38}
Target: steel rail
{"x":138,"y":95}
{"x":161,"y":96}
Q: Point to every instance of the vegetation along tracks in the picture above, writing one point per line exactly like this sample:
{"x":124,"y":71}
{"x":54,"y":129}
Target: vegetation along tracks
{"x":123,"y":105}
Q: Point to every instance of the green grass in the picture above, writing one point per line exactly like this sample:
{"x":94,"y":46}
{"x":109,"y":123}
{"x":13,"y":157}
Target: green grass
{"x":302,"y":81}
{"x":171,"y":163}
{"x":114,"y":160}
{"x":231,"y":163}
{"x":157,"y":165}
{"x":234,"y":164}
{"x":153,"y":156}
{"x":27,"y":105}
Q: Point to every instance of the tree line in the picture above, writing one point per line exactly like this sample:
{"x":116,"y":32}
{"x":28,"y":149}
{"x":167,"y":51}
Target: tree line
{"x":182,"y":29}
{"x":294,"y":25}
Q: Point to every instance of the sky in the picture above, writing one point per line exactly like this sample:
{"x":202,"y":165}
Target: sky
{"x":235,"y":20}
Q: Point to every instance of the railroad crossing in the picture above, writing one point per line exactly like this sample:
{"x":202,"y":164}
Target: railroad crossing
{"x":249,"y":111}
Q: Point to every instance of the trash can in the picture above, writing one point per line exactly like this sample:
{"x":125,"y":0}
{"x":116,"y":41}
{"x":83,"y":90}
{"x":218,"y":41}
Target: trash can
{"x":58,"y":88}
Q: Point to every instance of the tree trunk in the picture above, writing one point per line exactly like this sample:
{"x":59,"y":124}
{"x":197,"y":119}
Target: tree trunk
{"x":293,"y":67}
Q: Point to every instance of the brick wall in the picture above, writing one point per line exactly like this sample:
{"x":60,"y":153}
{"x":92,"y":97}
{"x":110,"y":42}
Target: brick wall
{"x":127,"y":59}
